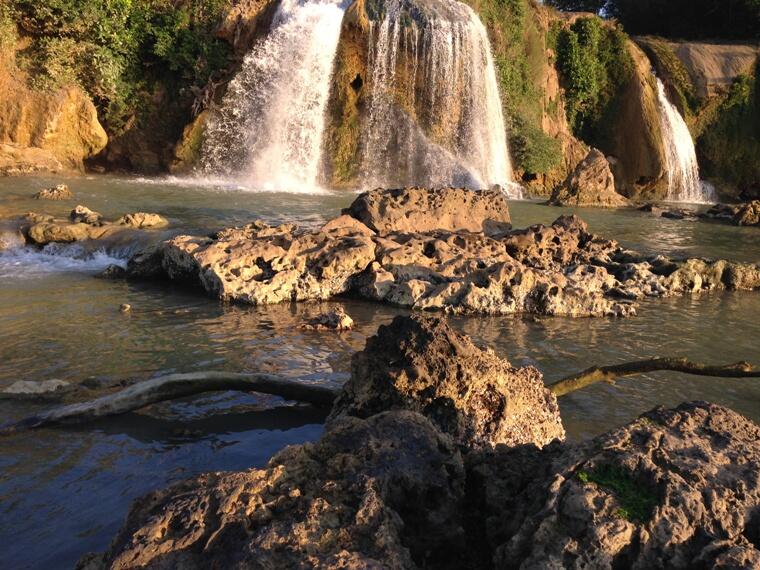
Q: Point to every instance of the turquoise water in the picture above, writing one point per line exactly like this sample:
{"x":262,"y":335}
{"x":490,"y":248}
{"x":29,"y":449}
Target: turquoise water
{"x":65,"y":492}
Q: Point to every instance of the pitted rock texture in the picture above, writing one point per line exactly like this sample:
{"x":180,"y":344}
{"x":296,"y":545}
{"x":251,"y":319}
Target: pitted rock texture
{"x":591,"y":184}
{"x":58,"y":192}
{"x":423,"y":210}
{"x":561,"y":270}
{"x":471,"y":394}
{"x":384,"y":492}
{"x":675,"y":489}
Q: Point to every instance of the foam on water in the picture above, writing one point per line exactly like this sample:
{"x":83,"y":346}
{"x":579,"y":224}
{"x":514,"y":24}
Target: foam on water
{"x":18,"y":261}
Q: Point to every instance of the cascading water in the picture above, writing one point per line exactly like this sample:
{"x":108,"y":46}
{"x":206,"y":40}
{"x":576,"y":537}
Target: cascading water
{"x":267,"y":133}
{"x":435,"y":115}
{"x":684,"y":184}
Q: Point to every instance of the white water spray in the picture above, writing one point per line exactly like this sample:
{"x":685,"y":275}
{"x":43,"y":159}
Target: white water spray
{"x":684,"y":184}
{"x":268,"y":132}
{"x":430,"y":64}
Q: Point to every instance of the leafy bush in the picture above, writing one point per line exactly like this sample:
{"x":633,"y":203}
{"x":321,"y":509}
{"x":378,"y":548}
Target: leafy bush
{"x":7,"y":30}
{"x":730,"y":147}
{"x":519,"y":55}
{"x":121,"y":50}
{"x":594,"y":64}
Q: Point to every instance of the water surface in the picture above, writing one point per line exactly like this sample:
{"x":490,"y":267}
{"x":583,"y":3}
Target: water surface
{"x":65,"y":492}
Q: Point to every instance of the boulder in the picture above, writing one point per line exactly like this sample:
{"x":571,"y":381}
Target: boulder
{"x":142,"y":220}
{"x":334,"y":320}
{"x":471,"y":394}
{"x":82,"y":214}
{"x":371,"y":493}
{"x":590,"y":185}
{"x":674,"y":489}
{"x":423,"y":210}
{"x":58,"y":192}
{"x":748,"y":214}
{"x":16,"y":159}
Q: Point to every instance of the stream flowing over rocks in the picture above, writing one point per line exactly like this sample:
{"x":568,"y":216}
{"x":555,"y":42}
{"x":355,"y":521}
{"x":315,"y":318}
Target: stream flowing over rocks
{"x":446,"y":249}
{"x":438,"y":454}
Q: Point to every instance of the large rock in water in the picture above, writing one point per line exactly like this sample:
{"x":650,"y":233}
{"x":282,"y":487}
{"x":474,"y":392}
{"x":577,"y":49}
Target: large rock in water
{"x":591,"y":184}
{"x":479,"y":399}
{"x":677,"y":488}
{"x":424,"y":210}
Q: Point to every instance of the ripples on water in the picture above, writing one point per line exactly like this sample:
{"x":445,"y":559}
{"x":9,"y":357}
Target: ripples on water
{"x":65,"y":492}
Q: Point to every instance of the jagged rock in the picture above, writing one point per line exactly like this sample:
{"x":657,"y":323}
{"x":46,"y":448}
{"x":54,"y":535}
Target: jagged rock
{"x":675,"y":489}
{"x":82,"y":214}
{"x":58,"y":192}
{"x":423,"y":210}
{"x":142,"y":220}
{"x":471,"y":394}
{"x":561,"y":269}
{"x":44,"y":233}
{"x":748,"y":214}
{"x":725,"y":212}
{"x":113,"y":272}
{"x":259,"y":264}
{"x":334,"y":320}
{"x":591,"y":184}
{"x":375,"y":493}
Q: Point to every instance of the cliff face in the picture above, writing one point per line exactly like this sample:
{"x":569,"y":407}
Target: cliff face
{"x":42,"y":131}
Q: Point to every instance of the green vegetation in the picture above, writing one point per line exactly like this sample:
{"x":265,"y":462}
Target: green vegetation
{"x":636,"y":501}
{"x":730,"y":147}
{"x":594,"y":66}
{"x":674,"y":73}
{"x":519,"y":48}
{"x":120,"y":51}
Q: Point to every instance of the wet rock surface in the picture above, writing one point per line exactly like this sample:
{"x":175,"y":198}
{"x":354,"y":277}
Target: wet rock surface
{"x":561,"y":269}
{"x":747,"y":214}
{"x":591,"y":184}
{"x":334,"y":320}
{"x":406,"y":485}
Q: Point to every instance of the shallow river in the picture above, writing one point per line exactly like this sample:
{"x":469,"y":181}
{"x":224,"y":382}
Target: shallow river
{"x":65,"y":492}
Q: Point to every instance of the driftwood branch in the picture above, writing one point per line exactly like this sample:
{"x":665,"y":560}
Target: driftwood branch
{"x":175,"y":386}
{"x":171,"y":387}
{"x":610,"y":373}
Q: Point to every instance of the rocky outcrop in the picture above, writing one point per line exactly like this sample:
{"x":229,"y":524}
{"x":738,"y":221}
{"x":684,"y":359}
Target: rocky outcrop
{"x":714,"y":67}
{"x":45,"y":132}
{"x":590,"y":185}
{"x":83,"y":224}
{"x":740,"y":214}
{"x":676,"y":488}
{"x":468,"y":393}
{"x":560,"y":269}
{"x":58,"y":192}
{"x":425,"y":210}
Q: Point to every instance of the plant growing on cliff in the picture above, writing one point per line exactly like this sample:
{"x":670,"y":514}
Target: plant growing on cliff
{"x":593,"y":62}
{"x":120,"y":50}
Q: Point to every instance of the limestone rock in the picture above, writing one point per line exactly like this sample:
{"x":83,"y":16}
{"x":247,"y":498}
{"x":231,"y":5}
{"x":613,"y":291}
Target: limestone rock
{"x":28,"y":388}
{"x":44,"y":233}
{"x":377,"y":493}
{"x":82,"y":214}
{"x":143,"y":220}
{"x":675,"y":489}
{"x":16,"y":159}
{"x":423,"y":210}
{"x":334,"y":320}
{"x":748,"y":214}
{"x":591,"y":184}
{"x":477,"y":398}
{"x":58,"y":192}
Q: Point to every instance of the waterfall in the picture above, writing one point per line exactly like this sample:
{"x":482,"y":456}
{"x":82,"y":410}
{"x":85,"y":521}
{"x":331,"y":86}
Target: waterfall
{"x":267,"y":133}
{"x":435,"y":116}
{"x":684,"y":184}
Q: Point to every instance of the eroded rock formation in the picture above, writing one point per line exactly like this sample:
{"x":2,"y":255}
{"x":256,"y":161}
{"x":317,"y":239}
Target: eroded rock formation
{"x":417,"y":482}
{"x":561,"y":269}
{"x":590,"y":184}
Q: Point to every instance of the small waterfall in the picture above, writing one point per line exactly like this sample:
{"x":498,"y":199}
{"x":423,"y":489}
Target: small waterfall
{"x":267,"y":134}
{"x":684,"y":184}
{"x":435,"y":115}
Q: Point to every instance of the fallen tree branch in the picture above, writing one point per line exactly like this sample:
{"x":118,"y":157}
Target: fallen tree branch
{"x":171,"y":387}
{"x":610,"y":373}
{"x":175,"y":386}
